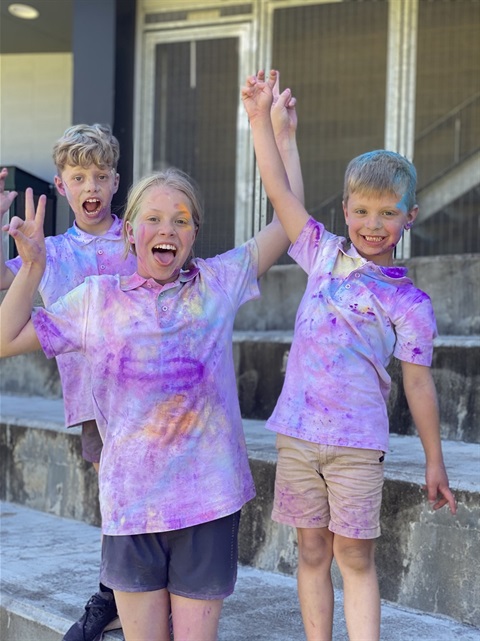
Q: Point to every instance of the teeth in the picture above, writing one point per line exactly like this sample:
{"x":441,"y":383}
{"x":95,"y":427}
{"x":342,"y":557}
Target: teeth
{"x":92,"y":200}
{"x":374,"y":239}
{"x":165,"y":246}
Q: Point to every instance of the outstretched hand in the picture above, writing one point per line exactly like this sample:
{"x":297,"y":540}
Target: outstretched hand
{"x":6,"y":197}
{"x":283,"y":111}
{"x":257,"y":94}
{"x":28,"y":233}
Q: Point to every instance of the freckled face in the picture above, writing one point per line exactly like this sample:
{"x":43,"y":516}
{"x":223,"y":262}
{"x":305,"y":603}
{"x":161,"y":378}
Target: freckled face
{"x":163,"y":234}
{"x":376,"y":223}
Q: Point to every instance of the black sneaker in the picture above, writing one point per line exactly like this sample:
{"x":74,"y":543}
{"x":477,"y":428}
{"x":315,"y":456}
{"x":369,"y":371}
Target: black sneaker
{"x":100,"y":611}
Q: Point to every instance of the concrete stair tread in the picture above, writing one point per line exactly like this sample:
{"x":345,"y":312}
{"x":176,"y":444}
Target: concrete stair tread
{"x":47,"y":579}
{"x":404,"y":461}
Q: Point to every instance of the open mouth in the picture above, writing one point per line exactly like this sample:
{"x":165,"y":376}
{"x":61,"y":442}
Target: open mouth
{"x":374,"y":239}
{"x":165,"y":252}
{"x":92,"y":206}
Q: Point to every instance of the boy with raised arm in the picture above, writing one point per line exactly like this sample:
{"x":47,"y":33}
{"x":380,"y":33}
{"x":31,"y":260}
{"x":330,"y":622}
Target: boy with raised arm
{"x":358,"y":311}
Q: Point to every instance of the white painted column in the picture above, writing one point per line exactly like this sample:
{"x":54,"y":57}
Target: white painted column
{"x":401,"y":86}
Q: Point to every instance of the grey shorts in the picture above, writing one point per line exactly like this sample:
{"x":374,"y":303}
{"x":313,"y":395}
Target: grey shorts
{"x":91,"y":442}
{"x":198,"y":562}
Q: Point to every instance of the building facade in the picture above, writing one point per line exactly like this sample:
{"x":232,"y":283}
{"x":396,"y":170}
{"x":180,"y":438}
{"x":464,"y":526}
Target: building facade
{"x":367,"y":74}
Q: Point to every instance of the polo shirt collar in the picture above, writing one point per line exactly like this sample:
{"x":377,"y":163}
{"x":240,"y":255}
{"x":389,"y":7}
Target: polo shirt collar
{"x":392,"y":271}
{"x":134,"y":281}
{"x":84,"y":238}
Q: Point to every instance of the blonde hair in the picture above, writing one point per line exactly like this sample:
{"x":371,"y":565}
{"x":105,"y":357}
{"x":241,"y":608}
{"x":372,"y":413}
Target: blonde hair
{"x":173,"y":178}
{"x":381,"y":171}
{"x":84,"y":145}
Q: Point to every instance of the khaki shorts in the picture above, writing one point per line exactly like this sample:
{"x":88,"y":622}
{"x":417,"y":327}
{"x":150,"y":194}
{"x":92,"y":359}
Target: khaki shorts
{"x":320,"y":486}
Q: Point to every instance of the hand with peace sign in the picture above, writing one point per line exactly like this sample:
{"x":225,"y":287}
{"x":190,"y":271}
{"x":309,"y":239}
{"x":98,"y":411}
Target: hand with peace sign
{"x":28,"y":234}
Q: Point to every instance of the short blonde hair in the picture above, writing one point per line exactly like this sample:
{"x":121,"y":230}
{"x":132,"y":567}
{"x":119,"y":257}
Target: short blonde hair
{"x":173,"y":178}
{"x":381,"y":171}
{"x":84,"y":145}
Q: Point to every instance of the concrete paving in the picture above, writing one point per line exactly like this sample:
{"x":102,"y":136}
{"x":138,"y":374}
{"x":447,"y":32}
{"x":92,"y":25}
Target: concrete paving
{"x":50,"y":567}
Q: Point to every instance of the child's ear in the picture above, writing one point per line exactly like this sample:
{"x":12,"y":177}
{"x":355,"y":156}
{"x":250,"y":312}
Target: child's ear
{"x":345,"y":211}
{"x":59,"y":185}
{"x":116,"y":184}
{"x":412,"y":214}
{"x":130,"y":236}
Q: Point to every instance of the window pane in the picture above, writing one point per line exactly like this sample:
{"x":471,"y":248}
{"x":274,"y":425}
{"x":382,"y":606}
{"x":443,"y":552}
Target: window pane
{"x":195,"y":130}
{"x":333,"y":56}
{"x":448,"y":127}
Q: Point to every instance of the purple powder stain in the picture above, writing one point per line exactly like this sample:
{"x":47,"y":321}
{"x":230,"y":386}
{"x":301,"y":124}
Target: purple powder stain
{"x":394,"y":272}
{"x":316,"y":235}
{"x":46,"y":326}
{"x":184,"y":374}
{"x":417,"y":351}
{"x":177,"y":374}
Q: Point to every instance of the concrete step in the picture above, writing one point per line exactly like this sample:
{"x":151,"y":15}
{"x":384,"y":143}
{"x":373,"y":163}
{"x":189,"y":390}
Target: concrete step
{"x":260,"y":359}
{"x":50,"y":567}
{"x":426,"y":561}
{"x":261,"y":356}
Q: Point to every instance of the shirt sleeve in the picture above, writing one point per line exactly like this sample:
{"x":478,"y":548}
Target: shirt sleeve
{"x":237,"y":271}
{"x":14,"y":265}
{"x":415,"y":329}
{"x":313,"y":246}
{"x":61,"y":328}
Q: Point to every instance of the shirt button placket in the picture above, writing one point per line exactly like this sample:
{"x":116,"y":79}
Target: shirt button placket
{"x":99,"y":253}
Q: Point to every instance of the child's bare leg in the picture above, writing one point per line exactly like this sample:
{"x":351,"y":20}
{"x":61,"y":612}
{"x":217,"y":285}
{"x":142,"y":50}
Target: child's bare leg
{"x":356,"y":561}
{"x":144,"y":615}
{"x":195,"y":619}
{"x":315,"y":589}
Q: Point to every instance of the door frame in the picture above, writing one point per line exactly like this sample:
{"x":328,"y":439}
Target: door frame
{"x":144,"y":108}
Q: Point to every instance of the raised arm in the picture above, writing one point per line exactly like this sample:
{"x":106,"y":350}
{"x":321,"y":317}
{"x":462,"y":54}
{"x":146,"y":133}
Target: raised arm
{"x":17,"y":334}
{"x":283,"y":114}
{"x":257,"y":96}
{"x":422,"y":401}
{"x":272,"y":240}
{"x":6,"y":199}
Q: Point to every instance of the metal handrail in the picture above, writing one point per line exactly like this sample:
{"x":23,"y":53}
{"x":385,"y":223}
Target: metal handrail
{"x":435,"y":125}
{"x":453,"y":112}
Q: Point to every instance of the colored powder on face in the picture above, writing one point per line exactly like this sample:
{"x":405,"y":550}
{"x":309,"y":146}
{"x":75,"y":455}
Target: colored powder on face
{"x":402,"y":203}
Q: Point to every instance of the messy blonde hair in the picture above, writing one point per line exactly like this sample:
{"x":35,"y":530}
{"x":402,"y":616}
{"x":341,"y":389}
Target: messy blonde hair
{"x":84,"y":145}
{"x":379,"y":172}
{"x":173,"y":178}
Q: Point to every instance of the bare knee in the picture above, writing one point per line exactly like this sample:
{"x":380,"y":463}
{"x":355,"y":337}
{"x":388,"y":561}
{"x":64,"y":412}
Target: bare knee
{"x":315,"y":547}
{"x":357,"y":555}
